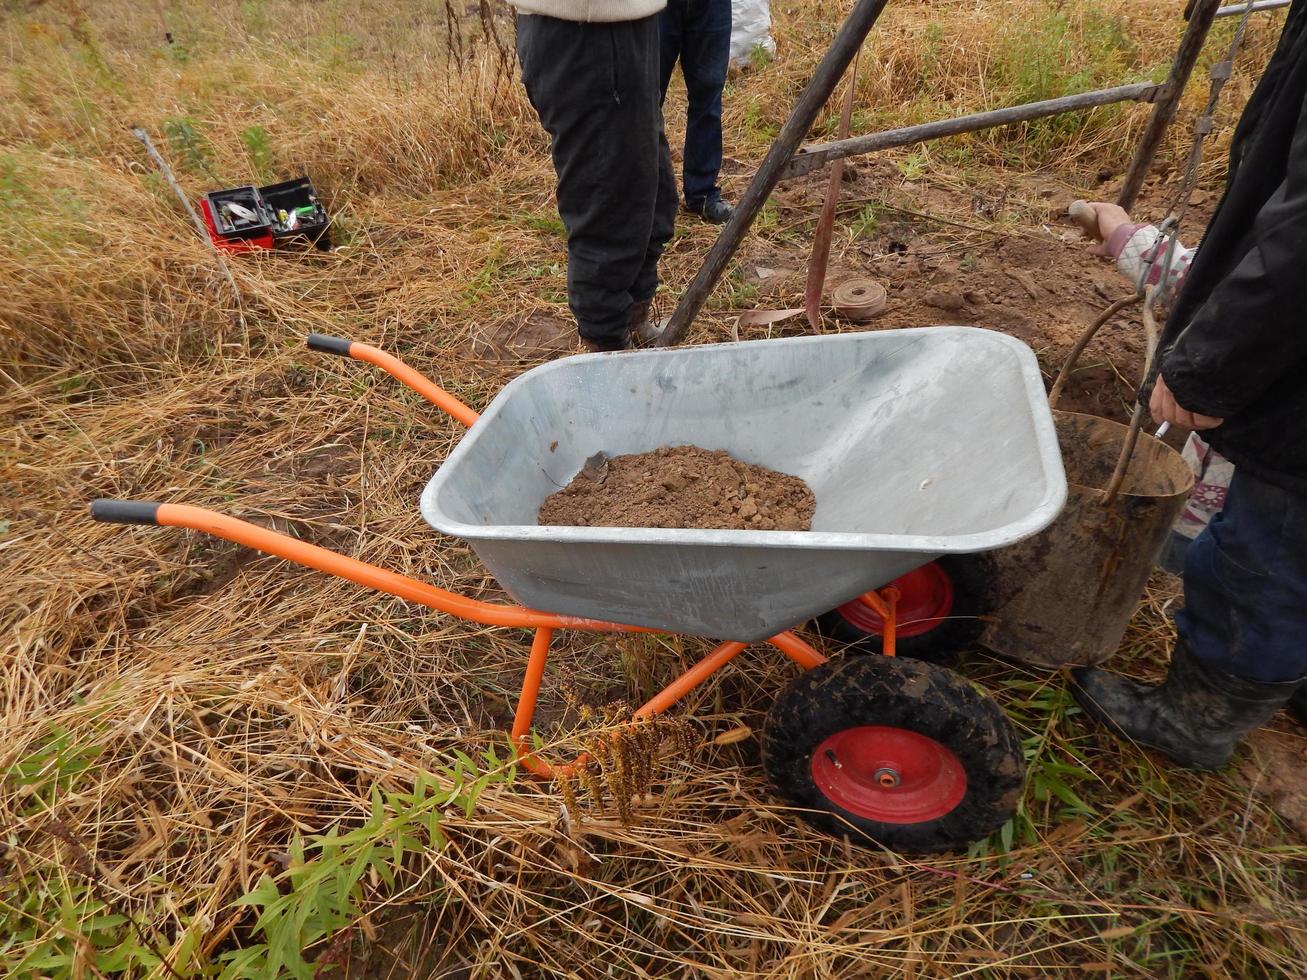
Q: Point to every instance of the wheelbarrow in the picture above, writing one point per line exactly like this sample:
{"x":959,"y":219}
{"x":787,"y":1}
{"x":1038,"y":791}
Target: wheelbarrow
{"x":916,"y":443}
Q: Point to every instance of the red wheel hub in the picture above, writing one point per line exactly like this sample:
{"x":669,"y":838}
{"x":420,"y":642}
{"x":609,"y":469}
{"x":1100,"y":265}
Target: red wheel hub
{"x":925,"y":599}
{"x":891,"y":775}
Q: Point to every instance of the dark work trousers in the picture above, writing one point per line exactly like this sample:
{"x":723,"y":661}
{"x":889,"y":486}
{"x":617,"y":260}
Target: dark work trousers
{"x":1245,"y":584}
{"x":698,"y":33}
{"x":595,"y":88}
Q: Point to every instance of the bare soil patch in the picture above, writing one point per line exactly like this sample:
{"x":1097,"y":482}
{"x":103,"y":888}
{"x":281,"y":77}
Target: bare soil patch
{"x":1277,"y":772}
{"x":524,"y":338}
{"x":681,"y":486}
{"x":953,"y":254}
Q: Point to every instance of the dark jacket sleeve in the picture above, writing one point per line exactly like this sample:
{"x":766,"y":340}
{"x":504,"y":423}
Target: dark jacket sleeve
{"x":1253,"y":326}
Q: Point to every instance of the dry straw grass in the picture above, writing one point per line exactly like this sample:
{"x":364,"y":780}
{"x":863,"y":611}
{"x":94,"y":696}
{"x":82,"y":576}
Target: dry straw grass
{"x":177,"y":710}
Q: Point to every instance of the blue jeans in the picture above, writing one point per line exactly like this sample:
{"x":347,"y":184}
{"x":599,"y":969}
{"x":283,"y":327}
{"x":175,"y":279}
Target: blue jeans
{"x":1245,"y":585}
{"x":698,"y":32}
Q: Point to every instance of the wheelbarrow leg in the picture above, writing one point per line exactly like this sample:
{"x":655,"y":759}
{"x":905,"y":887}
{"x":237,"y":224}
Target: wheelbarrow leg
{"x":691,"y":679}
{"x":526,"y":703}
{"x":884,"y":604}
{"x":659,"y":703}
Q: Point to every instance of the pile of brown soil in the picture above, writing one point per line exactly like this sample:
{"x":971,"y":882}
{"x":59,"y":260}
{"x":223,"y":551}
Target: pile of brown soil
{"x":681,"y":486}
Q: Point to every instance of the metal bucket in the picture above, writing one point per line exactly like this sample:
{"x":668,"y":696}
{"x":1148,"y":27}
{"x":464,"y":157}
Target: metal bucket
{"x":1066,"y":595}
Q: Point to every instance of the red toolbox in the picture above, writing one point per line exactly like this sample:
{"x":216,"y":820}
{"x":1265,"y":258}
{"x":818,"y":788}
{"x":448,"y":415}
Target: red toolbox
{"x":242,"y":219}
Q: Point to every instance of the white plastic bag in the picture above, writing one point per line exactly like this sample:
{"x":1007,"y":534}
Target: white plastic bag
{"x":750,"y":28}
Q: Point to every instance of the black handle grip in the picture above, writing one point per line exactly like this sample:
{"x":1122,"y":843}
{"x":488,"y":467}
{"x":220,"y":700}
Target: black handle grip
{"x":330,"y":345}
{"x":125,"y":511}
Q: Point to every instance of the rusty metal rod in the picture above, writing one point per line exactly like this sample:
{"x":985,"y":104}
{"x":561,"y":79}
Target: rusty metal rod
{"x":828,"y":74}
{"x":1201,"y":15}
{"x":810,"y":158}
{"x":166,"y":172}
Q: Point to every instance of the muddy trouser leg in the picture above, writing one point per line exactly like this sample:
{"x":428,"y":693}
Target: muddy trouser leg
{"x":667,"y":201}
{"x":1245,"y":583}
{"x":664,"y":223}
{"x":596,"y":89}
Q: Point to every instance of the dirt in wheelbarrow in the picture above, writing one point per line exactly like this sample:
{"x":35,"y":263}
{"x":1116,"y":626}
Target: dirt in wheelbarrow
{"x":681,"y":486}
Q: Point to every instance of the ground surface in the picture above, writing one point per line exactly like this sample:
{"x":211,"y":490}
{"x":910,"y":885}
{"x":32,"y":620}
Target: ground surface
{"x":681,"y":486}
{"x":1277,"y":772}
{"x":190,"y":725}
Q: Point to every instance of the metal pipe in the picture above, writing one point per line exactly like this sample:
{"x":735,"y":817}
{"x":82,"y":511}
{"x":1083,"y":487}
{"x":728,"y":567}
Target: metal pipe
{"x":1201,"y":16}
{"x":832,"y":67}
{"x":168,"y":176}
{"x":1257,"y":5}
{"x":810,"y":158}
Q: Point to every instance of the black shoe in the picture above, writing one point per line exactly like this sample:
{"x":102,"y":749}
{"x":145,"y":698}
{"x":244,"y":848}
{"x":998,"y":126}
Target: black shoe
{"x":715,"y":211}
{"x":1195,"y":717}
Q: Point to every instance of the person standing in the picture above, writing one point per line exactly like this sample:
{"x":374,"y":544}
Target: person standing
{"x":1232,"y":364}
{"x":591,"y":71}
{"x":698,"y":34}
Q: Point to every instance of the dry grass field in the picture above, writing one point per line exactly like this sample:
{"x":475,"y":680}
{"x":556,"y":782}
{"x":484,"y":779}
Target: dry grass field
{"x":218,"y":764}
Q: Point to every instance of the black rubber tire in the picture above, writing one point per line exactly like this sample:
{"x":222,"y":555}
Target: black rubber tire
{"x":973,"y":581}
{"x":849,"y":692}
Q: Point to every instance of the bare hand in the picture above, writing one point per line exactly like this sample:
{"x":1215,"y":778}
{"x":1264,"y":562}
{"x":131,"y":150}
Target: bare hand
{"x":1098,"y":220}
{"x":1166,"y":409}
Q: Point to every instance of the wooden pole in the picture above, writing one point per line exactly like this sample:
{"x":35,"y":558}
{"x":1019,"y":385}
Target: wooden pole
{"x":832,"y":67}
{"x":1201,"y":15}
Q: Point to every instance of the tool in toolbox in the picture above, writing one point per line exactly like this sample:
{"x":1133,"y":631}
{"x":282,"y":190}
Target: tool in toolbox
{"x":243,"y":219}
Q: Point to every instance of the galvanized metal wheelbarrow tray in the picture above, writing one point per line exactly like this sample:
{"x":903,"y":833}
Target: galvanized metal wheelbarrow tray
{"x":916,"y":443}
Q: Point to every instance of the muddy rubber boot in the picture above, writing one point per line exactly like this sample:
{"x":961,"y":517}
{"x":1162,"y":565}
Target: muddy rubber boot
{"x":1195,"y":717}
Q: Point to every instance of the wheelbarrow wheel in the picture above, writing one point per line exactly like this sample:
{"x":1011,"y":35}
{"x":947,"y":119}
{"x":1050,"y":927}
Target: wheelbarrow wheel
{"x":900,"y":752}
{"x":940,"y":606}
